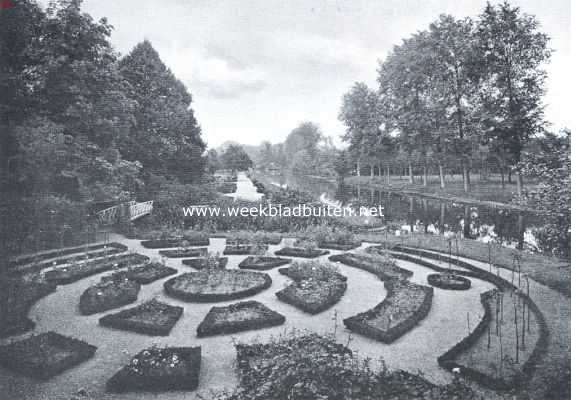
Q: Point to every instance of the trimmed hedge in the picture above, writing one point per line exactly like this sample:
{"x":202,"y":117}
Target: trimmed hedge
{"x":155,"y":318}
{"x":358,"y":323}
{"x":75,"y":272}
{"x":152,"y":370}
{"x":181,"y":253}
{"x":449,"y":281}
{"x":201,"y":263}
{"x":343,"y":246}
{"x":216,"y":321}
{"x":263,"y":282}
{"x":243,"y":249}
{"x":173,"y":242}
{"x":36,"y":355}
{"x":150,"y":272}
{"x":301,"y":252}
{"x":262,"y":263}
{"x":384,"y":270}
{"x":111,"y":292}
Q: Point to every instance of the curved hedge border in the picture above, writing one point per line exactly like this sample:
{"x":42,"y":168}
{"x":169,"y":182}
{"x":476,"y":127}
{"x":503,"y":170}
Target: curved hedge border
{"x":214,"y":297}
{"x":356,"y":324}
{"x":184,"y":376}
{"x":32,"y":356}
{"x":339,"y":246}
{"x":75,"y":272}
{"x":378,"y":269}
{"x":31,"y":258}
{"x":265,"y":318}
{"x":262,"y":263}
{"x":121,"y":320}
{"x":446,"y":360}
{"x":301,"y":252}
{"x":173,"y":242}
{"x":458,"y":283}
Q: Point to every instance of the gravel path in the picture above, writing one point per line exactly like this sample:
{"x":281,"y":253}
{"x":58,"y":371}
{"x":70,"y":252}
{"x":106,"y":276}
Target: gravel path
{"x":416,"y":351}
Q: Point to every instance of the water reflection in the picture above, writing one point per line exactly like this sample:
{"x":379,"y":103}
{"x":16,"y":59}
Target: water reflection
{"x":419,"y":214}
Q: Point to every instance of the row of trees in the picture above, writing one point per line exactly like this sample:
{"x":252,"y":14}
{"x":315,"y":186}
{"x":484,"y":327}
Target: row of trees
{"x":78,"y":120}
{"x":306,"y":151}
{"x":458,"y":90}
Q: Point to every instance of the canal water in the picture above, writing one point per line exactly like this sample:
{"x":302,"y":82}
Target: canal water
{"x":510,"y":228}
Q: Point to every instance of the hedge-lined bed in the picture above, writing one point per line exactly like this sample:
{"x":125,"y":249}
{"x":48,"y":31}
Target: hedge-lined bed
{"x":206,"y":262}
{"x":339,"y":245}
{"x":159,"y":369}
{"x":112,"y":291}
{"x":238,"y":317}
{"x":301,"y":252}
{"x":405,"y":305}
{"x":175,"y":242}
{"x":447,"y":359}
{"x":263,"y":263}
{"x":449,"y":281}
{"x":75,"y":272}
{"x":46,"y":355}
{"x":381,"y":265}
{"x":316,"y":287}
{"x":181,"y":253}
{"x":244,"y":249}
{"x":53,"y":253}
{"x":150,"y":318}
{"x":217,"y":285}
{"x":150,"y":272}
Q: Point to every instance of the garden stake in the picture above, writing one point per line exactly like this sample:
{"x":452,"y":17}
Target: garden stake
{"x":516,"y":333}
{"x":528,"y":309}
{"x":523,"y":324}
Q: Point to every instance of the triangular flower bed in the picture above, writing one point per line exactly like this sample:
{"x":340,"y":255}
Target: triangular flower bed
{"x":238,"y":317}
{"x":204,"y":263}
{"x":45,"y":355}
{"x":217,"y":285}
{"x":244,"y":249}
{"x":111,"y":292}
{"x":181,"y":253}
{"x":301,"y":252}
{"x":156,"y":370}
{"x":174,"y":242}
{"x":316,"y":287}
{"x":263,"y":263}
{"x":150,"y":318}
{"x":150,"y":272}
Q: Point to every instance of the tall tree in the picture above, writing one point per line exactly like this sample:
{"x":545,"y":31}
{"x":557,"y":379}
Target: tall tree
{"x":235,"y":159}
{"x":166,"y":137}
{"x":514,"y":51}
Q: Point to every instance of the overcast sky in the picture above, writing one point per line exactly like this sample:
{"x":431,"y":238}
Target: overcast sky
{"x":258,"y":68}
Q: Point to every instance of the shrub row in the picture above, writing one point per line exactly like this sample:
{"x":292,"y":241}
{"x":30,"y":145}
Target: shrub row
{"x":339,"y":245}
{"x":150,"y":272}
{"x":301,"y":252}
{"x":180,"y":253}
{"x":262,"y":263}
{"x":206,"y":263}
{"x":174,"y":242}
{"x":244,"y":249}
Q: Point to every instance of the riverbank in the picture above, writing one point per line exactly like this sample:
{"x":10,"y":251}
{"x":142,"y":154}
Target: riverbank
{"x":488,"y":193}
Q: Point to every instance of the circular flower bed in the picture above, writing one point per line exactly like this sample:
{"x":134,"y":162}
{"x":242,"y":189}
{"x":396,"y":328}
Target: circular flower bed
{"x":217,"y":285}
{"x":449,"y":281}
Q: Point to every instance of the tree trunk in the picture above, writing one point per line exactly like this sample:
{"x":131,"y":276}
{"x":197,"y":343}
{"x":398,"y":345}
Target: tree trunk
{"x":372,"y":171}
{"x":503,"y":177}
{"x":388,"y":171}
{"x":424,"y":176}
{"x":358,"y":168}
{"x":442,"y":215}
{"x":510,"y":176}
{"x":441,"y":173}
{"x":519,"y":181}
{"x":410,"y":175}
{"x":465,"y":177}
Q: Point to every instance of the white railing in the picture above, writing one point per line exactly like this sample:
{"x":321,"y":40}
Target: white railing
{"x":137,"y":210}
{"x":110,"y":215}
